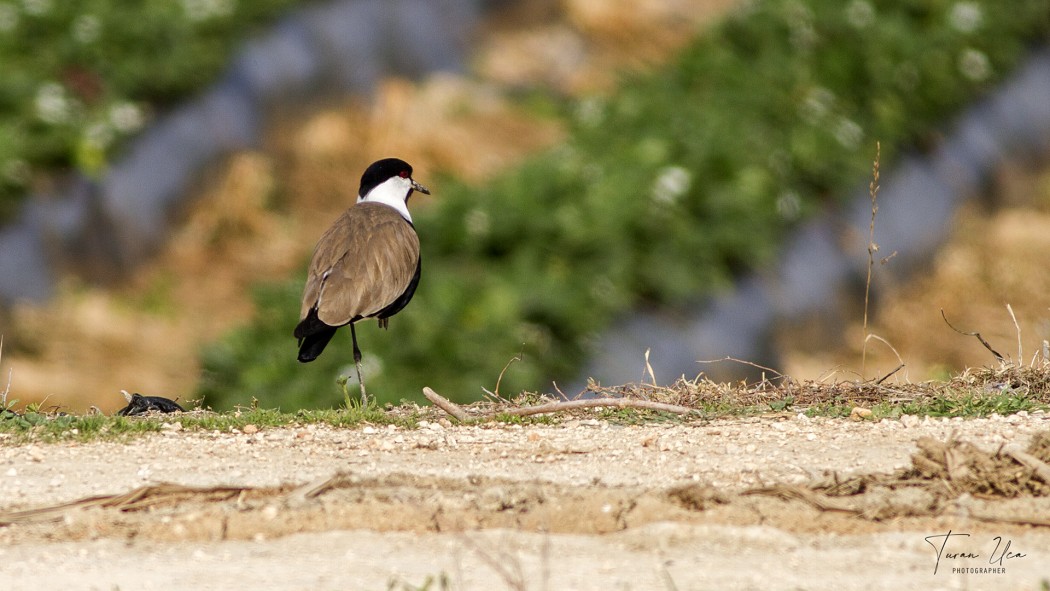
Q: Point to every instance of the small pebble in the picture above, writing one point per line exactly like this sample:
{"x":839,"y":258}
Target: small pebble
{"x":859,"y":413}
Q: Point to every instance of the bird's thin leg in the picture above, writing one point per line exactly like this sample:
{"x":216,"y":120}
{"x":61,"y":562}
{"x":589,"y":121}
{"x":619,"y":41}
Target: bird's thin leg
{"x":357,"y":362}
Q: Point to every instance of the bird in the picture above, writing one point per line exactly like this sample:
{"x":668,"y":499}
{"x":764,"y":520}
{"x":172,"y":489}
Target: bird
{"x":366,"y":265}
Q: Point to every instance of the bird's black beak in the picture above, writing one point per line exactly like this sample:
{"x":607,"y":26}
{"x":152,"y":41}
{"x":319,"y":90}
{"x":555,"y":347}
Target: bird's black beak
{"x":419,"y":187}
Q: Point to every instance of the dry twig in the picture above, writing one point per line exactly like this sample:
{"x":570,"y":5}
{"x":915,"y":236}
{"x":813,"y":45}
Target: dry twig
{"x":1017,"y":327}
{"x":751,"y":363}
{"x":445,"y":404}
{"x":887,"y":376}
{"x":998,"y":357}
{"x":873,"y":191}
{"x":7,"y":390}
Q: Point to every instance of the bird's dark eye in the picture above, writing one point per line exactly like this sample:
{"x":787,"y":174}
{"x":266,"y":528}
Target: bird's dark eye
{"x":404,"y":174}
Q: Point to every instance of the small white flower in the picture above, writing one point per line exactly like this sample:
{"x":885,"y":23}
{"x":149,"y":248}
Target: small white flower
{"x":16,"y":171}
{"x":8,"y":17}
{"x":590,"y":112}
{"x":126,"y":117}
{"x":477,"y":223}
{"x":52,"y":104}
{"x":86,"y":28}
{"x":965,"y":17}
{"x":848,"y":133}
{"x":799,"y":18}
{"x":860,"y":13}
{"x":371,"y":365}
{"x":789,"y":205}
{"x":974,"y":64}
{"x":671,"y":183}
{"x":818,"y":102}
{"x":37,"y":7}
{"x":98,"y":135}
{"x":200,"y":10}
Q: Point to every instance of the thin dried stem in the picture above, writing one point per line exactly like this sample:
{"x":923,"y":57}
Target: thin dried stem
{"x":517,"y":357}
{"x":891,"y":348}
{"x":649,"y":368}
{"x":885,"y":377}
{"x":1017,"y":327}
{"x":873,"y":191}
{"x":10,"y":372}
{"x":998,"y":357}
{"x":734,"y":359}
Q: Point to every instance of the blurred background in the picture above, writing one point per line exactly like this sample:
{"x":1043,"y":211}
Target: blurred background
{"x":689,"y":177}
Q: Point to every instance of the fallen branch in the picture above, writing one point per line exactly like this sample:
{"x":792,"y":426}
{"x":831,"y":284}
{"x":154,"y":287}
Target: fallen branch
{"x":445,"y":404}
{"x":552,"y":407}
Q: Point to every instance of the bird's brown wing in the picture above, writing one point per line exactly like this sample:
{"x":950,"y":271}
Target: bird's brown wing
{"x":361,"y":265}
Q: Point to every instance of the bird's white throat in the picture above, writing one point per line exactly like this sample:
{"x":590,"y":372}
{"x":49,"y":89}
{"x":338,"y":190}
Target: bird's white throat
{"x":392,"y":192}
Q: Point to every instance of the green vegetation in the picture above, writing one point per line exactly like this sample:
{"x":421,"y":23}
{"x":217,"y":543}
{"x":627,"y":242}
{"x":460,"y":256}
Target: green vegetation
{"x":40,"y":426}
{"x":664,"y":192}
{"x":965,"y":404}
{"x":79,"y":77}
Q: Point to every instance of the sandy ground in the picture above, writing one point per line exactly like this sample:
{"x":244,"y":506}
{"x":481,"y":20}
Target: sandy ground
{"x":584,"y":504}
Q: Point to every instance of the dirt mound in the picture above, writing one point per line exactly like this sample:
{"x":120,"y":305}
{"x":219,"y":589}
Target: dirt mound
{"x":946,"y":477}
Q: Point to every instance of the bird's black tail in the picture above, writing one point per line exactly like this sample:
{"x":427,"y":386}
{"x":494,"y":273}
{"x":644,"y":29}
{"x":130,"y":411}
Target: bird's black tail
{"x":311,"y":346}
{"x":313,"y":336}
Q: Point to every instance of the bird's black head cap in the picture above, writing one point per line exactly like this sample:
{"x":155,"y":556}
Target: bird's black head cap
{"x":381,"y":170}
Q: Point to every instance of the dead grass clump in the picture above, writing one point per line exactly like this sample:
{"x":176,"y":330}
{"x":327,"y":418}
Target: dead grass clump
{"x":774,"y":394}
{"x":960,"y":466}
{"x":1034,"y":378}
{"x":942,"y":473}
{"x":1040,"y":446}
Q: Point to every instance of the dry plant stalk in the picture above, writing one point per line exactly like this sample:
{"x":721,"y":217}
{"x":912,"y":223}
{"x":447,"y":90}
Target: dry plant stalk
{"x":7,"y":389}
{"x":1017,"y":327}
{"x":649,"y":369}
{"x":496,"y":395}
{"x":873,"y":190}
{"x":998,"y":356}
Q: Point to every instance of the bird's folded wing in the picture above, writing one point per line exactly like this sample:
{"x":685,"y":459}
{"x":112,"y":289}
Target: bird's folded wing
{"x":362,"y":264}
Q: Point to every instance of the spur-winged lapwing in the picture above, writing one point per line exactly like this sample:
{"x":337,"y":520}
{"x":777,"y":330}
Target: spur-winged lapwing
{"x":366,"y":265}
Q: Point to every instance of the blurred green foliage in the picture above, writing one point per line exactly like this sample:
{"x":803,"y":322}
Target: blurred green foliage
{"x":664,"y":192}
{"x":77,"y":77}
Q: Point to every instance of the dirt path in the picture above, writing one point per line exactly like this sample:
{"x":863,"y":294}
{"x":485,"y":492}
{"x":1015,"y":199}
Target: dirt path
{"x":582,"y":505}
